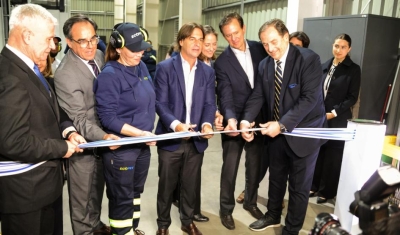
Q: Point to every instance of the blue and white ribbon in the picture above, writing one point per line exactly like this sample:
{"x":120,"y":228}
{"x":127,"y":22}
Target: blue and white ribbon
{"x":13,"y":168}
{"x":343,"y":134}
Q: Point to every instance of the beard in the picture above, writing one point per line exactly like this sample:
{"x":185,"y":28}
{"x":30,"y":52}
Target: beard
{"x":53,"y":54}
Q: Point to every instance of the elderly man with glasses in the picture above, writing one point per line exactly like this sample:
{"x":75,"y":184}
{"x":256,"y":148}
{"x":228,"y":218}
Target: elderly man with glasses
{"x":74,"y":85}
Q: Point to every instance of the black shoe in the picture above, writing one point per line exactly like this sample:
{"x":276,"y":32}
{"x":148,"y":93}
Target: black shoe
{"x":312,"y":194}
{"x":200,"y":218}
{"x":264,"y":223}
{"x":162,"y":231}
{"x":254,"y":211}
{"x":321,"y":200}
{"x":227,"y":221}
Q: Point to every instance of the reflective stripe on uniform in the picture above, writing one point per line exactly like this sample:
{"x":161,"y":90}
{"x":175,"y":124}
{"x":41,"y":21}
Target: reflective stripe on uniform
{"x":136,"y":214}
{"x":136,"y":201}
{"x":121,"y":223}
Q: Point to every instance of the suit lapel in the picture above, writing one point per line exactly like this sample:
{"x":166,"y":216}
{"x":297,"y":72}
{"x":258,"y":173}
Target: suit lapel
{"x":253,"y":53}
{"x":270,"y":72}
{"x":177,"y":62}
{"x":287,"y":74}
{"x":80,"y":64}
{"x":236,"y":65}
{"x":33,"y":78}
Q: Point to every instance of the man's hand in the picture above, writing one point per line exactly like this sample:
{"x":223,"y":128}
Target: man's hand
{"x":182,"y":127}
{"x":207,"y":129}
{"x":272,"y":129}
{"x":329,"y":116}
{"x":218,"y":122}
{"x":70,"y":150}
{"x":147,"y":133}
{"x":112,"y":137}
{"x":231,"y":127}
{"x":76,"y":139}
{"x":248,"y":136}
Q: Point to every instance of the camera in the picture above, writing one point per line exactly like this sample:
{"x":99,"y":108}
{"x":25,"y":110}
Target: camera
{"x":374,"y":213}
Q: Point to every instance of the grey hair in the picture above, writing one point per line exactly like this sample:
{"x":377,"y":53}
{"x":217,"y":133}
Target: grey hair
{"x":27,"y":15}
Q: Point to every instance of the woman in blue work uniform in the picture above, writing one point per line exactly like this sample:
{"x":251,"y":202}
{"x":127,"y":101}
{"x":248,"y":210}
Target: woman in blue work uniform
{"x":126,"y":107}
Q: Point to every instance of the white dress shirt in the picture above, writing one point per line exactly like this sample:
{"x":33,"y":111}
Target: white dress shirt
{"x":244,"y":58}
{"x":189,"y":83}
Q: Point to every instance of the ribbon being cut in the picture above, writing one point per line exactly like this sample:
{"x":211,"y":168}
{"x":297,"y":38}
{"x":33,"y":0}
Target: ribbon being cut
{"x":344,"y":134}
{"x":319,"y":133}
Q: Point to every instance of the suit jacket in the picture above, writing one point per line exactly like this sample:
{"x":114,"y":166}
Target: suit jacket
{"x":343,"y":90}
{"x":30,"y":132}
{"x":301,"y":98}
{"x":74,"y":87}
{"x":233,"y":85}
{"x":171,"y":100}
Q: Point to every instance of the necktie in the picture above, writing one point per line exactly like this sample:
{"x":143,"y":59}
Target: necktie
{"x":94,"y":67}
{"x":41,"y":78}
{"x":278,"y":84}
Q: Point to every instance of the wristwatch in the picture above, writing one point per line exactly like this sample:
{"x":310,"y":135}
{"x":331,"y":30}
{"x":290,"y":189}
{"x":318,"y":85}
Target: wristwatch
{"x":283,"y":128}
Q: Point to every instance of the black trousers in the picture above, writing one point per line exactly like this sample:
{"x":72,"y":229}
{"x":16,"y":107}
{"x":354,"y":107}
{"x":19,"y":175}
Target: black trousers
{"x":232,"y":148}
{"x":285,"y":163}
{"x":327,"y":171}
{"x":184,"y":165}
{"x":40,"y":222}
{"x":177,"y":194}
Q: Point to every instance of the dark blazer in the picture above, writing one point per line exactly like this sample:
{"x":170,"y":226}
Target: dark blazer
{"x":301,"y":96}
{"x":29,"y":132}
{"x":233,"y":90}
{"x":343,"y":90}
{"x":170,"y":100}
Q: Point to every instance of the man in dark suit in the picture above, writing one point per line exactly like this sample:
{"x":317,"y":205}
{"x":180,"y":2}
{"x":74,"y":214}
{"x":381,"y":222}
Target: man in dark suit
{"x":289,"y":86}
{"x":74,"y":85}
{"x":185,"y":101}
{"x":31,"y":127}
{"x":236,"y":69}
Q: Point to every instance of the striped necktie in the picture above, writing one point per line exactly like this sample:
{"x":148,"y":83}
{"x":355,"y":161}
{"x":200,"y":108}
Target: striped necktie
{"x":278,"y":85}
{"x":94,"y":67}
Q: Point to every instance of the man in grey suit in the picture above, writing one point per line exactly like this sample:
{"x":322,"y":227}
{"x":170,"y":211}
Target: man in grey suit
{"x":74,"y":86}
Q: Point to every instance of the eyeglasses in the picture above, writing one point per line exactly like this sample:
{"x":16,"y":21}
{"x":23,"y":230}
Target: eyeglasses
{"x":85,"y":43}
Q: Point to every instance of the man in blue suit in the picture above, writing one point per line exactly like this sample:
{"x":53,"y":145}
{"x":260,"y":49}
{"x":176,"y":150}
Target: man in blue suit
{"x":185,"y":101}
{"x":289,"y":87}
{"x":236,"y":70}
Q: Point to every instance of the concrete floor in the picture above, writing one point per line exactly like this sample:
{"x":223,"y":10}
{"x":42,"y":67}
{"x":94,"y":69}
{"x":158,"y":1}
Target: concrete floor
{"x":210,"y":201}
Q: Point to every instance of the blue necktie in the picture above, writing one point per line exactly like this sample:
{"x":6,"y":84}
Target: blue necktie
{"x":42,"y":79}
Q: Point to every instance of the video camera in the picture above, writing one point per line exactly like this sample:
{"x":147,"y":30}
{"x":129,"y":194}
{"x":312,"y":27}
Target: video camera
{"x":369,"y":206}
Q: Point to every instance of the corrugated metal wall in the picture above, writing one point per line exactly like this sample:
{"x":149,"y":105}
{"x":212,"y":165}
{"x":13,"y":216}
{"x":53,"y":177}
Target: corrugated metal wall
{"x":254,"y":15}
{"x":168,"y":15}
{"x":101,"y":11}
{"x":389,"y":8}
